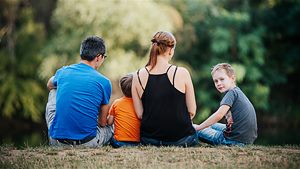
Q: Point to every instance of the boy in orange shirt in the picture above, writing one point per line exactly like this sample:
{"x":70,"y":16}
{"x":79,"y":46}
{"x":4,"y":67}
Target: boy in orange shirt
{"x":122,"y":115}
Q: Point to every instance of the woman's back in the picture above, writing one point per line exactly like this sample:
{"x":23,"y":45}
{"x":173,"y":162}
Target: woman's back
{"x":164,"y":98}
{"x":165,"y":115}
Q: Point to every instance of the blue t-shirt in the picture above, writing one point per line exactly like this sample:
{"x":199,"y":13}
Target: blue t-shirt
{"x":80,"y":92}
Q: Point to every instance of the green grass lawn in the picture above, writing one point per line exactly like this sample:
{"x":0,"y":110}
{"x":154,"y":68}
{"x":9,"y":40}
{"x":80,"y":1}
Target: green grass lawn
{"x":203,"y":156}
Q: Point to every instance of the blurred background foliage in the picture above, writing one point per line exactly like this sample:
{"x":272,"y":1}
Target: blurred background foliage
{"x":260,"y":38}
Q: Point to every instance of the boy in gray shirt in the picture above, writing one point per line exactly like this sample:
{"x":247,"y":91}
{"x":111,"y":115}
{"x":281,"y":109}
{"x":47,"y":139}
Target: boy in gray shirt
{"x":241,"y":127}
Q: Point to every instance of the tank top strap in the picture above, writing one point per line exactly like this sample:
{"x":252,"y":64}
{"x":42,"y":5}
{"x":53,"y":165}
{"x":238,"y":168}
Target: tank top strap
{"x":169,"y":68}
{"x":174,"y":75}
{"x":138,"y":75}
{"x":147,"y":70}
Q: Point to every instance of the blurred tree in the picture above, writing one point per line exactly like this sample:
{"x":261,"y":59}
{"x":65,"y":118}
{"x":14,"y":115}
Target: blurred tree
{"x":282,"y":72}
{"x":126,"y":26}
{"x":221,"y":31}
{"x":43,"y":10}
{"x":259,"y":38}
{"x":21,"y":38}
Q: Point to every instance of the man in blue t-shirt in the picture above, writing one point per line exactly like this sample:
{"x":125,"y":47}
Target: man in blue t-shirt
{"x":77,"y":108}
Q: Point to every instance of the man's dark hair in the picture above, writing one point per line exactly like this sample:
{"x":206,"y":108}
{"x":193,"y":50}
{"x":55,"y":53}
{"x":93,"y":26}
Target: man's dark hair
{"x":91,"y":47}
{"x":125,"y":83}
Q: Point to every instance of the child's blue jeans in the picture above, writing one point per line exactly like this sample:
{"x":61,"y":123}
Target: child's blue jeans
{"x":117,"y":144}
{"x":214,"y":135}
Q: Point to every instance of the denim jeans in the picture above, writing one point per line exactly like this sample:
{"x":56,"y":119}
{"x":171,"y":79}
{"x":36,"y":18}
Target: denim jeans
{"x":187,"y":141}
{"x":118,"y":144}
{"x":102,"y":137}
{"x":214,"y":135}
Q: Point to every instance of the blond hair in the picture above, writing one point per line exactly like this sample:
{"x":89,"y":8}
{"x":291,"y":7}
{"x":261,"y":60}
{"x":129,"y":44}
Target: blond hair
{"x":225,"y":66}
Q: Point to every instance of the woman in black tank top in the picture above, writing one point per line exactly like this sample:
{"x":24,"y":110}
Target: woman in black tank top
{"x":164,"y":98}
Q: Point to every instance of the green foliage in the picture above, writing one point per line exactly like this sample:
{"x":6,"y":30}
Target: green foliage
{"x":220,"y":40}
{"x":21,"y":92}
{"x":223,"y":34}
{"x":127,"y":28}
{"x":283,"y":67}
{"x":259,"y":38}
{"x":240,"y":71}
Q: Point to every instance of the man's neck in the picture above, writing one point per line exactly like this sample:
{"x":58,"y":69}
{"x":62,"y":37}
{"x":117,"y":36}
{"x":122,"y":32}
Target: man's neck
{"x":92,"y":64}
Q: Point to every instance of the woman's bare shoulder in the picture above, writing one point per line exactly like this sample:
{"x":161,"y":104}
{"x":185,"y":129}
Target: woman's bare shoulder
{"x":141,"y":75}
{"x":141,"y":72}
{"x":182,"y":71}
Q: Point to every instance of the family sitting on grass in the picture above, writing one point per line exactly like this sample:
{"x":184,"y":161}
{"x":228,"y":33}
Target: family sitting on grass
{"x":157,"y":107}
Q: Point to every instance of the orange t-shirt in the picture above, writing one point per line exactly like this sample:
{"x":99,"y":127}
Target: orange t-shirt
{"x":126,"y":123}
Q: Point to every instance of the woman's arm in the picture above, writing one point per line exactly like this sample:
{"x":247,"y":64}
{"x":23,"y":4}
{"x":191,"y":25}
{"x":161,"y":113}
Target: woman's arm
{"x":189,"y":94}
{"x":214,"y":118}
{"x":138,"y":106}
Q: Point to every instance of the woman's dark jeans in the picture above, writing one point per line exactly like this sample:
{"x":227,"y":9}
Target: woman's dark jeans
{"x":187,"y":141}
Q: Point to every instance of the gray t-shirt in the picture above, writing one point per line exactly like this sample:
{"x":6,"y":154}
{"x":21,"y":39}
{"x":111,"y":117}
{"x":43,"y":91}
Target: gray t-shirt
{"x":241,"y":117}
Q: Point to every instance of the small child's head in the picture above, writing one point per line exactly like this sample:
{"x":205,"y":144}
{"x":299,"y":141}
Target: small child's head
{"x":126,"y":83}
{"x":223,"y":76}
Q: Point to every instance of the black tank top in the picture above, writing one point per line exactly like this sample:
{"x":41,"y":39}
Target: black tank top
{"x":165,"y":115}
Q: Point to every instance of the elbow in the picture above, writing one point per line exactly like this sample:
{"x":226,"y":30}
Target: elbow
{"x":109,"y":123}
{"x":139,"y":115}
{"x":192,"y":112}
{"x":50,"y":85}
{"x":50,"y":88}
{"x":102,"y":123}
{"x":192,"y":115}
{"x":139,"y":112}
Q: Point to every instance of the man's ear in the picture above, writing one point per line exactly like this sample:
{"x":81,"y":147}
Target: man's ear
{"x":97,"y":58}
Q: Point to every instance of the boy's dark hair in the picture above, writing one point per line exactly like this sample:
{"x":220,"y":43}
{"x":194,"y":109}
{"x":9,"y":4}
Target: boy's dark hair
{"x":125,"y":84}
{"x":91,"y":47}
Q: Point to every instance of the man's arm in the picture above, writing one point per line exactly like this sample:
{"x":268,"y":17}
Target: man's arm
{"x":50,"y":84}
{"x":102,"y":118}
{"x":214,"y":118}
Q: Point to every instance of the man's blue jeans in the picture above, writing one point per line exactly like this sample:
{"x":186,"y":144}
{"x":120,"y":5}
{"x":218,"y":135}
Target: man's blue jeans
{"x":214,"y":135}
{"x":187,"y":141}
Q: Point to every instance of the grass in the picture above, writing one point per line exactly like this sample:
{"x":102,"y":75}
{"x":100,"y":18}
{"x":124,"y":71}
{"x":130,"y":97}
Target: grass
{"x":203,"y":156}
